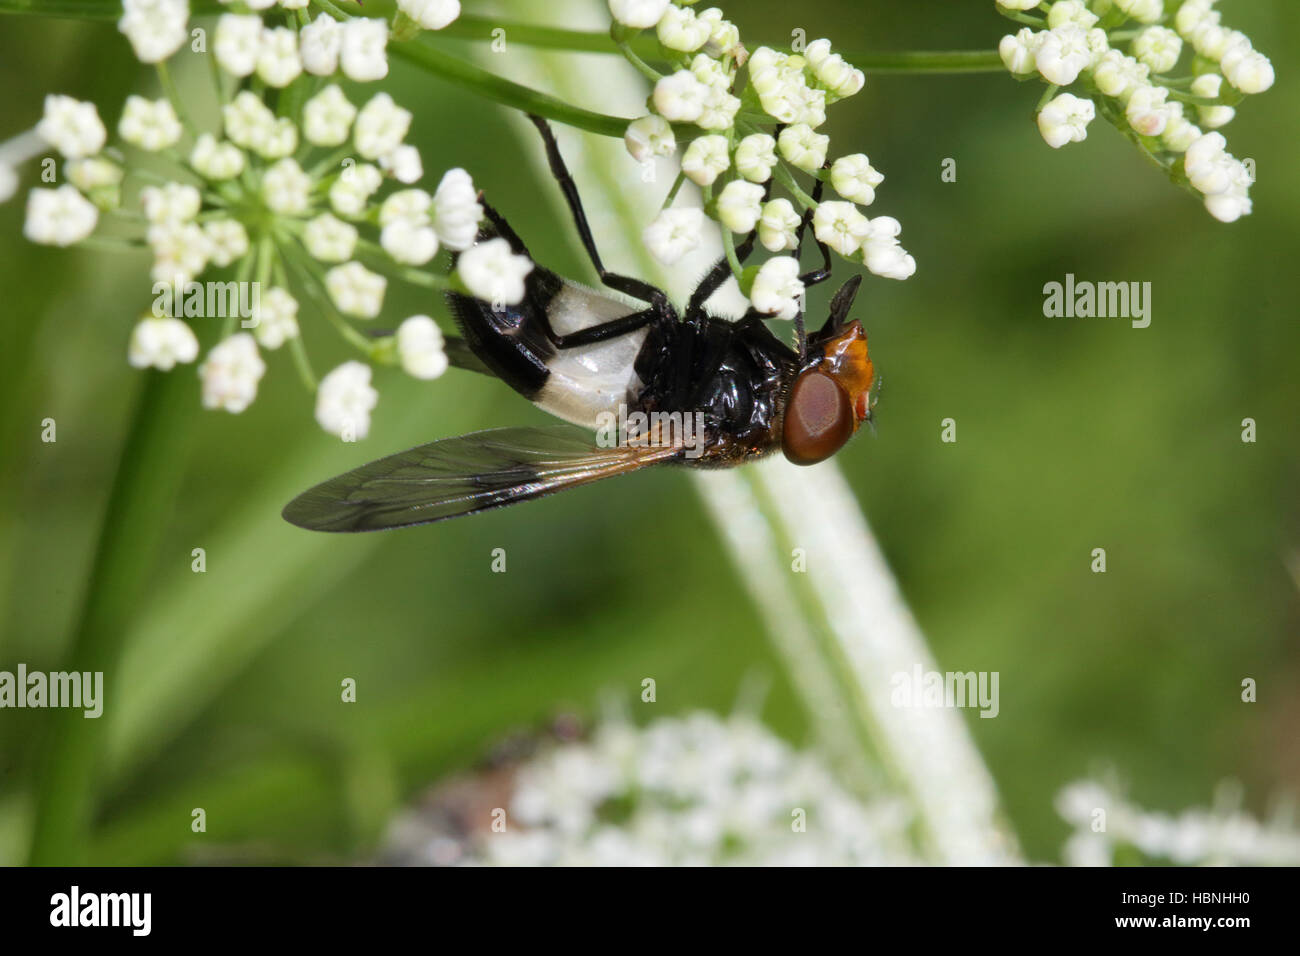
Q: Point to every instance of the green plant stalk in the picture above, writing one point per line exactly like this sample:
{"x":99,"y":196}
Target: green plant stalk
{"x":148,"y":476}
{"x":643,"y":44}
{"x":842,"y":628}
{"x":425,"y":55}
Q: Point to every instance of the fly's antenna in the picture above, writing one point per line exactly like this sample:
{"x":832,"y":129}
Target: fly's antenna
{"x":817,"y":275}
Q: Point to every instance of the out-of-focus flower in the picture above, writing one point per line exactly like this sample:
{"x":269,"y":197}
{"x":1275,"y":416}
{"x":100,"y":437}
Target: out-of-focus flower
{"x":356,"y":290}
{"x":381,"y":125}
{"x":230,"y":374}
{"x":162,"y":342}
{"x":59,"y":216}
{"x":328,"y":239}
{"x":72,"y":127}
{"x":363,"y":49}
{"x":777,"y":289}
{"x":673,"y":233}
{"x":236,"y":43}
{"x":320,"y":43}
{"x":431,"y":14}
{"x":457,"y":211}
{"x":648,"y":137}
{"x":638,"y":13}
{"x":344,"y":401}
{"x":275,"y":318}
{"x":690,"y":791}
{"x":156,"y":28}
{"x":420,"y":347}
{"x":493,"y":273}
{"x":1222,"y":836}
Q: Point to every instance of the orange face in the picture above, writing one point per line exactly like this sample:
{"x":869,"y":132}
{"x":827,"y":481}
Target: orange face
{"x":829,"y":400}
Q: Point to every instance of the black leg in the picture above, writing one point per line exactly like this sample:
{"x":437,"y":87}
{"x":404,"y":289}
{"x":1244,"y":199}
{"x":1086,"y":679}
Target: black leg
{"x":824,"y":273}
{"x":503,"y":229}
{"x":721,"y":269}
{"x":810,"y":278}
{"x":606,"y":330}
{"x":626,"y":284}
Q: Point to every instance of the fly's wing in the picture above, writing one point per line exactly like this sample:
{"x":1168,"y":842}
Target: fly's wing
{"x":461,"y":476}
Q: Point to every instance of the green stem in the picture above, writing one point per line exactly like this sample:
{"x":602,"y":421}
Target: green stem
{"x":314,"y":283}
{"x":148,"y":475}
{"x":168,"y":84}
{"x":927,"y":61}
{"x":676,"y":188}
{"x":786,"y":179}
{"x":333,"y":10}
{"x":644,"y":45}
{"x":468,"y":76}
{"x":112,"y":244}
{"x":729,"y":249}
{"x":620,"y":35}
{"x":1023,"y":17}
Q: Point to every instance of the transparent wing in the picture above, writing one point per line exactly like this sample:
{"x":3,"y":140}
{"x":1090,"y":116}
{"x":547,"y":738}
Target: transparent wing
{"x":461,"y":476}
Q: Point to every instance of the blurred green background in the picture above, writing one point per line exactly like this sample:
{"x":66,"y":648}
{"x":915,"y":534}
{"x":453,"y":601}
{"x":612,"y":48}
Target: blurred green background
{"x":1072,"y":434}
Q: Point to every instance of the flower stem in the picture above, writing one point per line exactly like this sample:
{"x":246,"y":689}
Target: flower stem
{"x":853,"y":631}
{"x":644,"y":46}
{"x":423,"y":54}
{"x":927,"y":61}
{"x":168,"y":83}
{"x":147,"y":478}
{"x":786,"y":179}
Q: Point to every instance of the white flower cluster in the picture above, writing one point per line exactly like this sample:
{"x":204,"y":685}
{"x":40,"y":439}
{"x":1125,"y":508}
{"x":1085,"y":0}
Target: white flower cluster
{"x":753,"y":141}
{"x":697,"y":790}
{"x":1223,"y":836}
{"x":1134,"y":89}
{"x":269,"y":195}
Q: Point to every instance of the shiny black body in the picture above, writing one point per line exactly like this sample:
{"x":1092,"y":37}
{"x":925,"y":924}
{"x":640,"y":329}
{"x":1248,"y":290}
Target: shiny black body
{"x":736,"y":373}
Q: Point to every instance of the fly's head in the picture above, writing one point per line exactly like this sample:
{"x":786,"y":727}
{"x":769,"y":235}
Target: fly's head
{"x":832,"y":394}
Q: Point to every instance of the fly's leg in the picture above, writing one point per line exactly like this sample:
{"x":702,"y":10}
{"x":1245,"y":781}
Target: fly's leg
{"x":817,"y":275}
{"x":717,"y":275}
{"x":628,"y":285}
{"x":607,"y":330}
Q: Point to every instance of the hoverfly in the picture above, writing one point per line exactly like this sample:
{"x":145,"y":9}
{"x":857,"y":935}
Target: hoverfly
{"x":581,"y":354}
